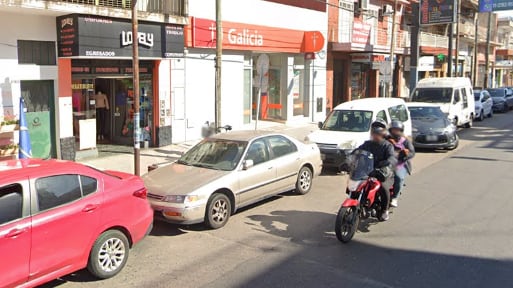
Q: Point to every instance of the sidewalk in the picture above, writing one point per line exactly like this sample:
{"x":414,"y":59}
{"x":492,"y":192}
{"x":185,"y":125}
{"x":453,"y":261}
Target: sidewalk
{"x":120,"y":158}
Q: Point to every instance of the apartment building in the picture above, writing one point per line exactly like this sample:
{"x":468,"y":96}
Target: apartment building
{"x":504,"y":54}
{"x":61,"y":55}
{"x":359,"y":42}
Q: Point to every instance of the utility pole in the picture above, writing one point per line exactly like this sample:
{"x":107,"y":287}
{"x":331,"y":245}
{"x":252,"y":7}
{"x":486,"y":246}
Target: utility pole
{"x":392,"y":52}
{"x":487,"y":53}
{"x":456,"y":59}
{"x":450,"y":50}
{"x":414,"y":47}
{"x":476,"y":48}
{"x":219,"y":53}
{"x":135,"y":63}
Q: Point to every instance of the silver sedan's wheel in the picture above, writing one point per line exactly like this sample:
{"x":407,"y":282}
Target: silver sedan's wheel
{"x":304,"y":180}
{"x":109,"y":254}
{"x":218,"y":212}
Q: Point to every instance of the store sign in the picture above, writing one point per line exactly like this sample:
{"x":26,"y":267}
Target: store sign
{"x":361,"y":32}
{"x":437,"y":12}
{"x":495,"y":5}
{"x":504,"y":63}
{"x":361,"y":57}
{"x":426,"y":63}
{"x":240,"y":36}
{"x":103,"y":37}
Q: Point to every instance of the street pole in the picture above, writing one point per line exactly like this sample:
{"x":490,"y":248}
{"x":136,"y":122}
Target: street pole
{"x":456,"y":59}
{"x":219,"y":52}
{"x":450,"y":50}
{"x":392,"y":51}
{"x":135,"y":63}
{"x":476,"y":48}
{"x":414,"y":47}
{"x":487,"y":53}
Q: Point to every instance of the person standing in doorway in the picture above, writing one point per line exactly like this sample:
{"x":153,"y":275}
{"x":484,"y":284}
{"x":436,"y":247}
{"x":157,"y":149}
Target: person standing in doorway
{"x":102,"y":106}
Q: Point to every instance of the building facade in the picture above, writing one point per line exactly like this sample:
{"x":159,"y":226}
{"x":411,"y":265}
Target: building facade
{"x":269,"y":52}
{"x":64,"y":54}
{"x":359,"y":46}
{"x":504,"y":53}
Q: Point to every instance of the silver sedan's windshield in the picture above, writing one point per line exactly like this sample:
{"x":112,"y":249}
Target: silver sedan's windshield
{"x":216,"y":154}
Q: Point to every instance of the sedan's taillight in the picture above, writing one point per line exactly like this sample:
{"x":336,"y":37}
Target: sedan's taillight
{"x":141,"y":193}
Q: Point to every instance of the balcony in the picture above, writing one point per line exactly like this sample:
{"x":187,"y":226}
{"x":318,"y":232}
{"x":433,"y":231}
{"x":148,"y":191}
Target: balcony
{"x":169,"y":7}
{"x":433,"y":40}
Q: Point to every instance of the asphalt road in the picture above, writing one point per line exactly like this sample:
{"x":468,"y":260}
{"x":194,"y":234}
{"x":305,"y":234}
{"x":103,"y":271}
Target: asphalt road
{"x":453,"y":228}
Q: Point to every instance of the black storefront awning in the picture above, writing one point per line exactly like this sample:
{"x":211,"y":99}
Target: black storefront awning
{"x":87,"y":36}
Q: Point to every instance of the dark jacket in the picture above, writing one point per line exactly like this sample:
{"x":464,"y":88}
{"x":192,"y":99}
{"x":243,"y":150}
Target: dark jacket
{"x":384,"y":156}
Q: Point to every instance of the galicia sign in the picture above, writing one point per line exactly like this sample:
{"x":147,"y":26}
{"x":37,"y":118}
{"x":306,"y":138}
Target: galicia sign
{"x":246,"y":37}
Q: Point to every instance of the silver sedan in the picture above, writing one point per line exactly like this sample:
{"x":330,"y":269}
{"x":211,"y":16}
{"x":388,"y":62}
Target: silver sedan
{"x":228,"y":171}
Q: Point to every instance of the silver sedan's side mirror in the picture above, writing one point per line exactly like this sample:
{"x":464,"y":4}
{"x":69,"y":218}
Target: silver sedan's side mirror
{"x":247,"y":164}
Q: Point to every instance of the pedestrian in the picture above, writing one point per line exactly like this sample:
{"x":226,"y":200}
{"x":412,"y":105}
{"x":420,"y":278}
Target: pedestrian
{"x":404,"y":152}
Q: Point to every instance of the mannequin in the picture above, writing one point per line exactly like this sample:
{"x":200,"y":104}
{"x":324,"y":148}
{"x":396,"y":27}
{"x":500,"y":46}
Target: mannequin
{"x":102,"y":105}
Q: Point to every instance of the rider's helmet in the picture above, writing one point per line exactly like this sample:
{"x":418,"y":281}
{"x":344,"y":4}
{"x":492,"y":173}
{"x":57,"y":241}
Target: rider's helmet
{"x":396,"y":124}
{"x":379,"y":127}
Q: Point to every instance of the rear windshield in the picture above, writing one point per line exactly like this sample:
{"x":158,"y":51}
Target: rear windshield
{"x":497,"y":92}
{"x":432,"y":95}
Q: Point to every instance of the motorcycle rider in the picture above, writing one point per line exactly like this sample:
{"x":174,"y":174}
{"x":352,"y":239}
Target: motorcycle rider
{"x":404,"y":152}
{"x":384,"y":161}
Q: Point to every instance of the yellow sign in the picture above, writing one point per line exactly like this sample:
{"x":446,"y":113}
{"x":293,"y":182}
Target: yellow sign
{"x":82,"y":86}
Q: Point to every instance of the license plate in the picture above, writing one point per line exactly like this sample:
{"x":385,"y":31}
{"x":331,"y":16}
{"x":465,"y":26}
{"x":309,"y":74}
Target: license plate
{"x":431,"y":138}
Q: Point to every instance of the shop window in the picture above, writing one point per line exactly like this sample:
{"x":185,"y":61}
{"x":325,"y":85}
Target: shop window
{"x":58,"y":190}
{"x":36,"y":52}
{"x":11,"y":203}
{"x":300,"y":98}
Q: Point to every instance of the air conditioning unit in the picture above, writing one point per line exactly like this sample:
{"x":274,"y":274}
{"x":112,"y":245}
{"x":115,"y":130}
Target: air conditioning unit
{"x":364,"y":5}
{"x":387,"y":9}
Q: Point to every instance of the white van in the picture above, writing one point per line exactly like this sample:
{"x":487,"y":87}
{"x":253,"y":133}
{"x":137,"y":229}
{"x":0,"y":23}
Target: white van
{"x":453,"y":94}
{"x":348,"y":126}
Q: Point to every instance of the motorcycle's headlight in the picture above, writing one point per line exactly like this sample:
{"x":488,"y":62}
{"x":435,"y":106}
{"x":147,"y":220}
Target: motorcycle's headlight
{"x":352,"y":185}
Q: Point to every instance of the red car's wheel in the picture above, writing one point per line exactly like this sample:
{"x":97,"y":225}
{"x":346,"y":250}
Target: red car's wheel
{"x":109,"y":254}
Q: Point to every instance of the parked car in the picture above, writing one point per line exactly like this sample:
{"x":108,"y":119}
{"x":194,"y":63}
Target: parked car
{"x":502,"y":99}
{"x":484,"y":104}
{"x":431,"y":128}
{"x":226,"y":172}
{"x":57,"y":217}
{"x":453,"y":94}
{"x":348,"y":126}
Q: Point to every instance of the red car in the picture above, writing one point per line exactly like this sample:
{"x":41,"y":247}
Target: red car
{"x":57,"y":217}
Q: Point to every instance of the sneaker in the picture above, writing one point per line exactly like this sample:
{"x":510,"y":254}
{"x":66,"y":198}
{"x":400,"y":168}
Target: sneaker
{"x":384,"y":216}
{"x":394,"y":202}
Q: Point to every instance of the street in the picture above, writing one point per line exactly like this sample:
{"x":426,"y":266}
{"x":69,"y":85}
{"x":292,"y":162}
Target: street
{"x":452,"y":229}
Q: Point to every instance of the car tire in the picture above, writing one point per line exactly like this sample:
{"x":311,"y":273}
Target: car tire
{"x":304,"y":180}
{"x":481,"y":116}
{"x":219,"y":209}
{"x":109,"y":254}
{"x":469,"y":123}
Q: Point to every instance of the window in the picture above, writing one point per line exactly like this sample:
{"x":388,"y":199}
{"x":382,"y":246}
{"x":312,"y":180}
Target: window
{"x":382,"y":115}
{"x":258,"y":152}
{"x":11,"y":203}
{"x":54,"y":191}
{"x":432,"y":95}
{"x":398,"y":112}
{"x":36,"y":52}
{"x":348,"y":121}
{"x":89,"y":185}
{"x":464,"y":96}
{"x":281,"y":146}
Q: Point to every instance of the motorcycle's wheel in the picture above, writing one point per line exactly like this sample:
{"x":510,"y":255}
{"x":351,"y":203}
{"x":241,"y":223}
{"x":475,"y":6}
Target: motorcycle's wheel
{"x":346,"y":224}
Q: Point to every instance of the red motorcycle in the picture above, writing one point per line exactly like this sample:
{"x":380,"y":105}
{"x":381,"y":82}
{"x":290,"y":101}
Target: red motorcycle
{"x":364,"y":198}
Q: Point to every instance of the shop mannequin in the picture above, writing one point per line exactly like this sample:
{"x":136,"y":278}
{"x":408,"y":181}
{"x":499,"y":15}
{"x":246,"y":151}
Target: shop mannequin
{"x":102,"y":106}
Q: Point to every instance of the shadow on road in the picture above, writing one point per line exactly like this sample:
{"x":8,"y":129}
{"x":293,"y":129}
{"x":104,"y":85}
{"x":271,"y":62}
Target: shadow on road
{"x":322,"y":261}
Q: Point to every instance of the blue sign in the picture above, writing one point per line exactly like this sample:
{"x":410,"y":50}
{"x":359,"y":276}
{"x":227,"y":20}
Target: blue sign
{"x":495,"y":5}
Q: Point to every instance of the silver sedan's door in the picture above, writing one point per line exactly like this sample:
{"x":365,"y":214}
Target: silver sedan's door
{"x":287,"y":160}
{"x":256,"y":181}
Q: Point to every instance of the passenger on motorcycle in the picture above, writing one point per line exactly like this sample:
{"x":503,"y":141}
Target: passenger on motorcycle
{"x":384,"y":162}
{"x":404,"y":152}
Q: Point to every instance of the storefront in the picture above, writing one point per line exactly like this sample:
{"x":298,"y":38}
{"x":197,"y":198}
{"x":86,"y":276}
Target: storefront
{"x":258,"y":61}
{"x":96,"y":87}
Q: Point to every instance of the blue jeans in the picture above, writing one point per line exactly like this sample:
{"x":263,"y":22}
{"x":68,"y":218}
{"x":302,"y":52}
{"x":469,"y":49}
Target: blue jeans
{"x":399,"y":177}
